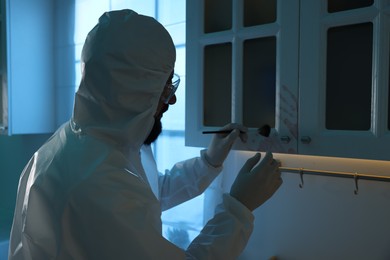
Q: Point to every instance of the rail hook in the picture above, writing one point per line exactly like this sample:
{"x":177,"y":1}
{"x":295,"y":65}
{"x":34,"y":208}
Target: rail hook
{"x":301,"y":174}
{"x":356,"y":178}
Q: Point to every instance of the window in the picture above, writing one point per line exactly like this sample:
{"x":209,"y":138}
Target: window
{"x":182,"y":223}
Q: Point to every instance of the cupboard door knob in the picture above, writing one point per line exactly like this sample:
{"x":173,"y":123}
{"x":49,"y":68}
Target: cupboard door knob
{"x":306,"y":139}
{"x":285,"y":139}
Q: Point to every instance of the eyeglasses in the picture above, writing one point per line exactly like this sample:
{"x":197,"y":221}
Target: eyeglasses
{"x":170,"y":89}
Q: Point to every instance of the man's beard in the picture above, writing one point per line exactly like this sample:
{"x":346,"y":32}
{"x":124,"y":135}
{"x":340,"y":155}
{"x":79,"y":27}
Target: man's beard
{"x":156,"y":131}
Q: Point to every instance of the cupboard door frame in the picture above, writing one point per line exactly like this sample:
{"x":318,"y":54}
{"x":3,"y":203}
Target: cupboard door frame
{"x":371,"y":144}
{"x":283,"y":137}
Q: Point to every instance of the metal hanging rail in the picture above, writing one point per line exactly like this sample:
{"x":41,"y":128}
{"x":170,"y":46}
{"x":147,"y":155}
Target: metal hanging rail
{"x":355,"y":176}
{"x":351,"y":175}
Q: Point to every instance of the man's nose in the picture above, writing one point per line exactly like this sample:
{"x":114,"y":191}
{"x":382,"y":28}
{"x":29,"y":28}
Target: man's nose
{"x":172,"y":100}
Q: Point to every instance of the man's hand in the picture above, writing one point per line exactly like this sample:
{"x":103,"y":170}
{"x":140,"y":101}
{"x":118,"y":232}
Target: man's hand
{"x":221,"y":144}
{"x":254,"y":185}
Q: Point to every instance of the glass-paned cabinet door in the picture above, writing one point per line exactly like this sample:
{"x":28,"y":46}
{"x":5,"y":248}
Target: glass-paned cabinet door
{"x":242,"y":67}
{"x":344,"y":78}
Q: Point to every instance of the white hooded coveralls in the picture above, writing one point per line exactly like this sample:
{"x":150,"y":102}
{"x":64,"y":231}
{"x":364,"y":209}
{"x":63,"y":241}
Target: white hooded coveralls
{"x":84,"y":194}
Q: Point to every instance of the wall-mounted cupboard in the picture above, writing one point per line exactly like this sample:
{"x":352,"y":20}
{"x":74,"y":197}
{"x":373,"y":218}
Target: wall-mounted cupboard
{"x":316,"y":71}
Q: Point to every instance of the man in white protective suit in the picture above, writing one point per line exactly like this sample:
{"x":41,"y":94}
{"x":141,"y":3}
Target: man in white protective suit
{"x":85,"y":194}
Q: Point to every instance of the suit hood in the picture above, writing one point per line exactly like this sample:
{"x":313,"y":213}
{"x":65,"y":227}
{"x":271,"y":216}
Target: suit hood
{"x":126,"y":61}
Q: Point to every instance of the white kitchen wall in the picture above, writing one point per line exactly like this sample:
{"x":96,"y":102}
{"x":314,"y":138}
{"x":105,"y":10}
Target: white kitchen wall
{"x":324,"y":219}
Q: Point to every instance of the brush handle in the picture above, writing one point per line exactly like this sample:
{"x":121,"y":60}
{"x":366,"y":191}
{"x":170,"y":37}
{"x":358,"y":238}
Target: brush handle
{"x":264,"y":131}
{"x":219,"y":132}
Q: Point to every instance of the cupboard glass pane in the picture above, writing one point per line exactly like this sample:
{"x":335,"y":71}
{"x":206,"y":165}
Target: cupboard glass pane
{"x":348,"y":77}
{"x":258,"y":12}
{"x":217,"y":84}
{"x":388,"y":98}
{"x":259,"y":82}
{"x":342,"y":5}
{"x":217,"y":15}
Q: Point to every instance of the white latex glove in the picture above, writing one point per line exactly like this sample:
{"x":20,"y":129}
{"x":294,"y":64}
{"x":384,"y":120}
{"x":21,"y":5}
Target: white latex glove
{"x":221,"y":144}
{"x":254,"y":185}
